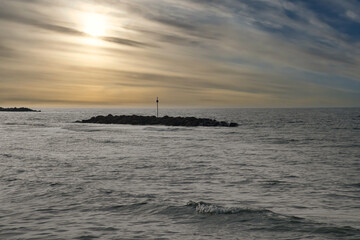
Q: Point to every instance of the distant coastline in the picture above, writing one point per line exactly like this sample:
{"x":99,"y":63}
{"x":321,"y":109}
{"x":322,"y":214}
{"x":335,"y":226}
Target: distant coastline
{"x":152,"y":120}
{"x":15,"y":109}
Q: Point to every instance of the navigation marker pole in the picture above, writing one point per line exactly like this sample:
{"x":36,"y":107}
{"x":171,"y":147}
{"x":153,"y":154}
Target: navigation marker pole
{"x":157,"y":106}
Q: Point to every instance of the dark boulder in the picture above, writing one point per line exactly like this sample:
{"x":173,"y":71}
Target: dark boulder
{"x":232,"y":124}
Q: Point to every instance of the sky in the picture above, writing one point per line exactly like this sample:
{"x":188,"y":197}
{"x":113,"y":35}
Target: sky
{"x":206,"y":53}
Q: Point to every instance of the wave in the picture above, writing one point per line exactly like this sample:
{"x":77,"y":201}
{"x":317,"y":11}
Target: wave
{"x":353,"y":185}
{"x":232,"y":133}
{"x":268,"y":221}
{"x":208,"y":208}
{"x":295,"y":121}
{"x":6,"y":155}
{"x":338,"y":231}
{"x":213,"y":218}
{"x":123,"y":207}
{"x":105,"y":141}
{"x":168,"y":129}
{"x":77,"y":129}
{"x":26,"y":124}
{"x":283,"y":141}
{"x":12,"y":123}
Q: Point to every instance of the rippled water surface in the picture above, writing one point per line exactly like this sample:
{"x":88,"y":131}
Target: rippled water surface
{"x":282,"y":174}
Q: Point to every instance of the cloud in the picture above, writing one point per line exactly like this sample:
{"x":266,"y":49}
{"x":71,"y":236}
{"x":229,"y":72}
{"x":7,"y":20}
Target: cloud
{"x":352,"y":15}
{"x":6,"y":52}
{"x":9,"y":16}
{"x":128,"y":42}
{"x":257,"y":52}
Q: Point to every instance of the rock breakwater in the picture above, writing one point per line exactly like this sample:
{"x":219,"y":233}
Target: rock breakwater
{"x":15,"y":109}
{"x":152,"y":120}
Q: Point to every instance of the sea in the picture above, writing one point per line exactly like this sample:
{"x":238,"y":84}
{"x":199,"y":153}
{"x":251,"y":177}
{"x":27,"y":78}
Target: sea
{"x":281,"y":174}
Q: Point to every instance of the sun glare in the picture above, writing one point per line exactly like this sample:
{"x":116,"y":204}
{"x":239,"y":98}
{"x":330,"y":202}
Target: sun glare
{"x":94,"y":25}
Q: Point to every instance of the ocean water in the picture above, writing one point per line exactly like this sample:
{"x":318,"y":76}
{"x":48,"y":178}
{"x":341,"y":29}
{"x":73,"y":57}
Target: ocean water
{"x":282,"y":174}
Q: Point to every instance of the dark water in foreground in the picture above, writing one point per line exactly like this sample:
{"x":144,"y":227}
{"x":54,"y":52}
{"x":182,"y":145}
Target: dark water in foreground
{"x":282,"y":174}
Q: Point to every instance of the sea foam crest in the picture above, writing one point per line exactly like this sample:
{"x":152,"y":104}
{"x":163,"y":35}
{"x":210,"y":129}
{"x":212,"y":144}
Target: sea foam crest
{"x":213,"y":209}
{"x":208,"y":208}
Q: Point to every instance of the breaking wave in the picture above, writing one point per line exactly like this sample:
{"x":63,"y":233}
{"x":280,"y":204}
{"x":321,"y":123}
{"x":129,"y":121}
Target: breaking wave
{"x":208,"y":208}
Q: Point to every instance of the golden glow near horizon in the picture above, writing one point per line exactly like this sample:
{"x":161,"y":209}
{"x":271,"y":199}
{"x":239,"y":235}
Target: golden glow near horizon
{"x":95,"y":24}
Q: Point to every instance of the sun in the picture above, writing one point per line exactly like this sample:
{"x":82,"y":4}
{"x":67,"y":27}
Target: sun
{"x":94,"y":25}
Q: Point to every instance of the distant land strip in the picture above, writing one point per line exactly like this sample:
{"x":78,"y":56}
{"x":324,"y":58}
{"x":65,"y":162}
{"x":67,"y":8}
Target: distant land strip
{"x":152,"y":120}
{"x":15,"y":109}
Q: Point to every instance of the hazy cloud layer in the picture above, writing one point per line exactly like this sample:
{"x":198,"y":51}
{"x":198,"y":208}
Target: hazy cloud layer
{"x":191,"y":52}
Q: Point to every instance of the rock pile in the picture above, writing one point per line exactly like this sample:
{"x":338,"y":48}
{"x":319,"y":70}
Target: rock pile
{"x":15,"y":109}
{"x":152,"y":120}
